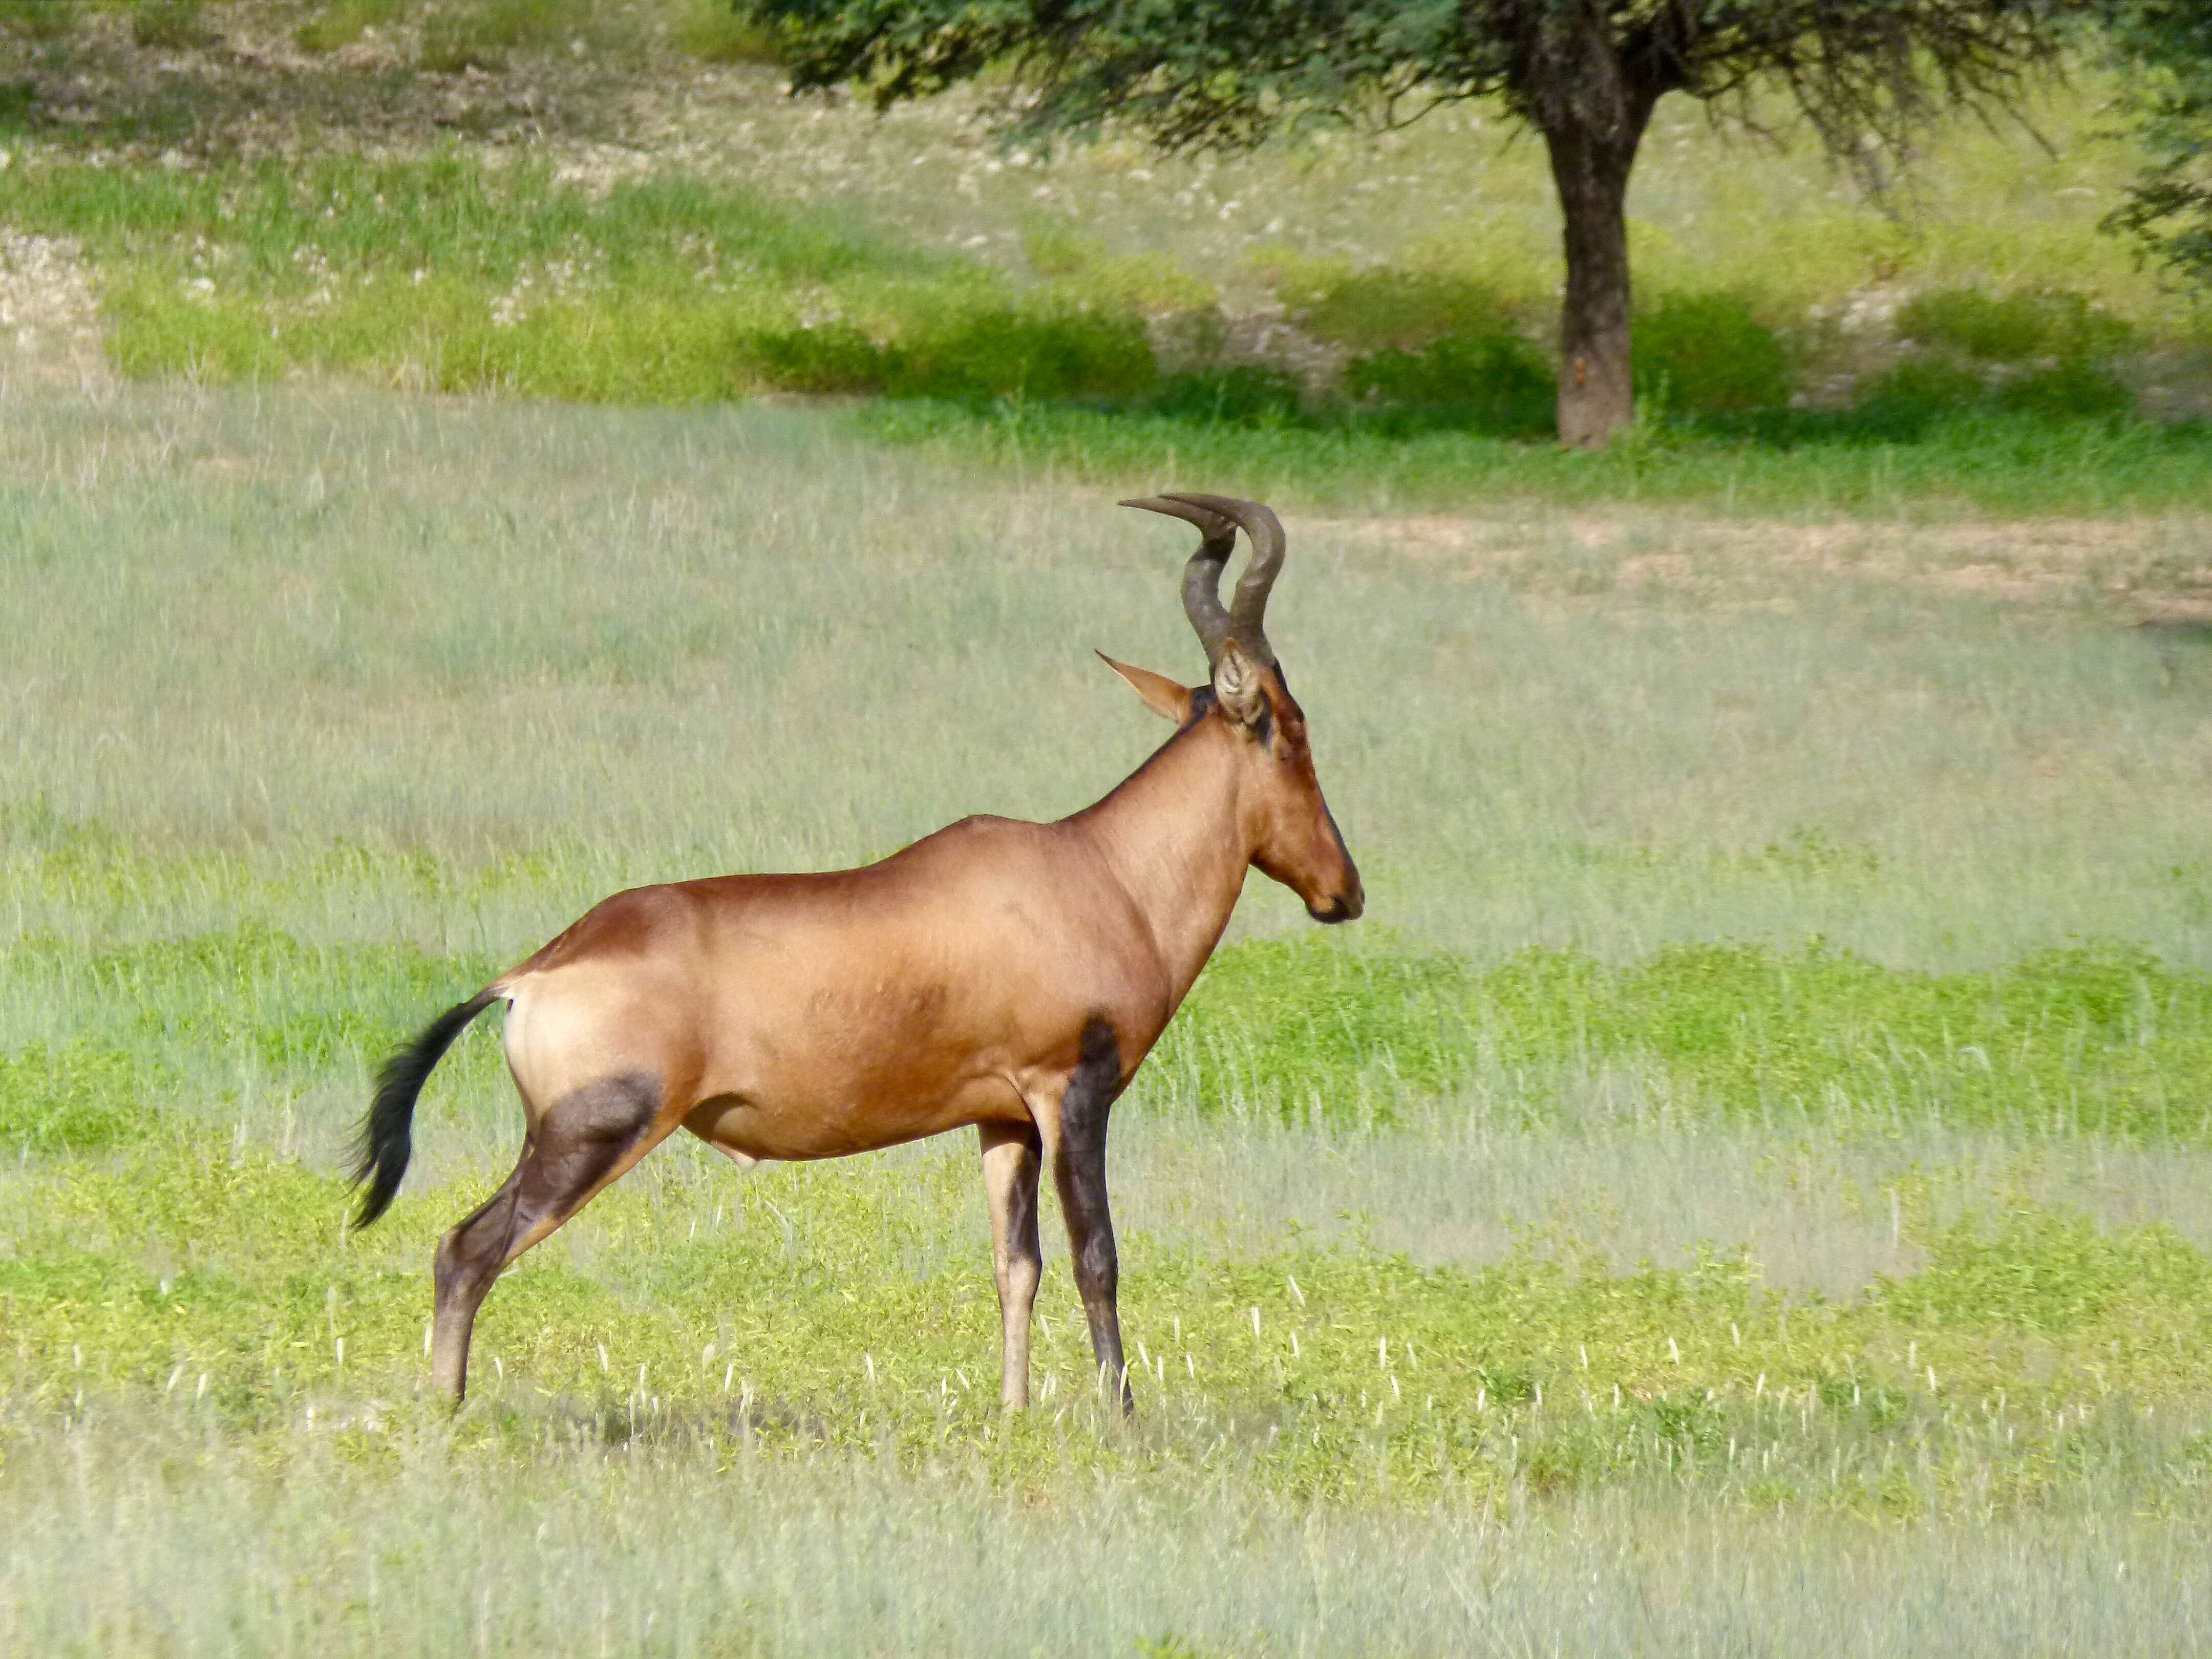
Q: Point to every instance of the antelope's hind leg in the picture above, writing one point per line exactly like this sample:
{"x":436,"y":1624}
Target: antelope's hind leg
{"x":1078,"y":1170}
{"x":586,"y":1140}
{"x":1012,"y":1164}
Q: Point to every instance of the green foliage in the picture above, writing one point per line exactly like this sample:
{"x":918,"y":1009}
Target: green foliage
{"x":1010,"y":353}
{"x":169,"y":24}
{"x":1913,"y":395}
{"x":41,"y":20}
{"x":2071,"y":390}
{"x":1875,"y":460}
{"x":2059,"y":345}
{"x":1385,"y":307}
{"x":79,"y":1098}
{"x":1242,"y":394}
{"x":484,"y":32}
{"x":341,"y":22}
{"x":1224,"y":75}
{"x":664,"y":291}
{"x":720,"y":32}
{"x":2078,"y":1040}
{"x":2163,"y":49}
{"x":2013,"y":328}
{"x":2049,"y":1272}
{"x":1493,"y":382}
{"x":1708,"y":353}
{"x":1002,"y":354}
{"x":1082,"y":274}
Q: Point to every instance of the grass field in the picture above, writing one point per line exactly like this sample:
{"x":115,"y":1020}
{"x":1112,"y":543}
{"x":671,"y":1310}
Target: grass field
{"x":1740,"y":1190}
{"x":602,"y":200}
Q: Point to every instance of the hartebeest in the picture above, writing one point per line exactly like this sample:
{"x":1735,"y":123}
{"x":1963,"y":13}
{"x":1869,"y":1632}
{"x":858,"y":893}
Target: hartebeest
{"x":1006,"y":974}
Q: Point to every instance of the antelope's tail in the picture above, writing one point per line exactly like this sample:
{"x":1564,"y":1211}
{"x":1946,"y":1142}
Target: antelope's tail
{"x":388,"y":1133}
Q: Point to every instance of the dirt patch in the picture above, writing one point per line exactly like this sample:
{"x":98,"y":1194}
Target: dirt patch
{"x":2145,"y":569}
{"x":49,"y":317}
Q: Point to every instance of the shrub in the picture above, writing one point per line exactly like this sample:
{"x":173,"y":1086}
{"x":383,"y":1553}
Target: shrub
{"x":1493,"y":381}
{"x":716,"y":32}
{"x":835,"y":358}
{"x":1707,"y":354}
{"x":484,"y":33}
{"x":2011,"y":328}
{"x":992,"y":354}
{"x":1085,"y":275}
{"x":343,"y":22}
{"x":169,"y":24}
{"x":1249,"y":394}
{"x":2075,"y":388}
{"x":42,"y":21}
{"x":1401,"y":310}
{"x":1907,"y":398}
{"x":1053,"y":356}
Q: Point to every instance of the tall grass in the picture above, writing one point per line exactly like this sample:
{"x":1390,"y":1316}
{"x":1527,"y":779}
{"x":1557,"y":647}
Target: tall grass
{"x":400,"y":669}
{"x":1577,"y":1253}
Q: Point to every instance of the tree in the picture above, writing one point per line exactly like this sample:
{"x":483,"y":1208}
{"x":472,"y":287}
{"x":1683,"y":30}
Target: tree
{"x":2164,"y":48}
{"x":1585,"y":74}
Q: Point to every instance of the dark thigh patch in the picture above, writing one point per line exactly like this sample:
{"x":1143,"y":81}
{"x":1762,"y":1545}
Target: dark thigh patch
{"x":589,"y":1129}
{"x":1090,"y":1090}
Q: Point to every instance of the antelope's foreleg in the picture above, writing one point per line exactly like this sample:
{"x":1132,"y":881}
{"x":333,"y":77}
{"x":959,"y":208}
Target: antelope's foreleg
{"x":1079,"y":1170}
{"x":587,"y":1139}
{"x":1012,"y":1164}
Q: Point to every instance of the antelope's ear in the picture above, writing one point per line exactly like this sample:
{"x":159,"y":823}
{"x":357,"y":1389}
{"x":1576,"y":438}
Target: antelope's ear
{"x":1162,"y":696}
{"x":1237,"y":689}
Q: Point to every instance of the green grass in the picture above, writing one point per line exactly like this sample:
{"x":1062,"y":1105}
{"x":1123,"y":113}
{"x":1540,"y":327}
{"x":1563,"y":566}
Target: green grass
{"x":1981,"y":351}
{"x":2007,"y":465}
{"x":1581,"y":1253}
{"x":444,"y":274}
{"x":2105,"y":1040}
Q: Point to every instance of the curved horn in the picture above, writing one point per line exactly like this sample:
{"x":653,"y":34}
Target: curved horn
{"x":1248,"y":611}
{"x":1201,"y":577}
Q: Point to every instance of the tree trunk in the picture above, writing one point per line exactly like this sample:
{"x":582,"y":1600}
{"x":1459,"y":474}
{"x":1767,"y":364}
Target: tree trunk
{"x":1590,"y":169}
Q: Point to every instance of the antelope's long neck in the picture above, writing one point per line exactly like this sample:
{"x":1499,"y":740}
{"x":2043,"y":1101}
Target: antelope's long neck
{"x":1173,"y":834}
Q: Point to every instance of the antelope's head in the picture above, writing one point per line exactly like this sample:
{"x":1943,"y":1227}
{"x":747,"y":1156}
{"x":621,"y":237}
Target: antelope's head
{"x":1249,"y":706}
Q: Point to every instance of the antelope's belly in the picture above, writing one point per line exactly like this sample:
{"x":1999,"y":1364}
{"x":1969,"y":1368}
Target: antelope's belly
{"x":806,"y":1125}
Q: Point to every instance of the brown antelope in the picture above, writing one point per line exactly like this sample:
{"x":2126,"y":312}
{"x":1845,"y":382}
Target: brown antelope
{"x":1006,"y":974}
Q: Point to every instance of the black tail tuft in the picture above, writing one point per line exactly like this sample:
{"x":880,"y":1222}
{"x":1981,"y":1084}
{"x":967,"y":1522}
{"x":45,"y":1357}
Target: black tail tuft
{"x":387,"y":1138}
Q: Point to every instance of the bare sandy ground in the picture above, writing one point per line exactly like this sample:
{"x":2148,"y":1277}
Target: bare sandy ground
{"x":2152,"y":570}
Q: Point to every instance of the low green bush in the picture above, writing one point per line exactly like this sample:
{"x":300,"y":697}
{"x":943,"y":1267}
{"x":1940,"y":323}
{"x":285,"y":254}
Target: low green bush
{"x":717,"y":31}
{"x":42,"y":21}
{"x":2073,"y":388}
{"x":170,"y":25}
{"x":1904,"y":400}
{"x":2011,"y":328}
{"x":1249,"y":394}
{"x":835,"y":358}
{"x":1493,"y":381}
{"x":1056,"y":356}
{"x":341,"y":22}
{"x":1703,"y":354}
{"x":1405,"y":310}
{"x":483,"y":34}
